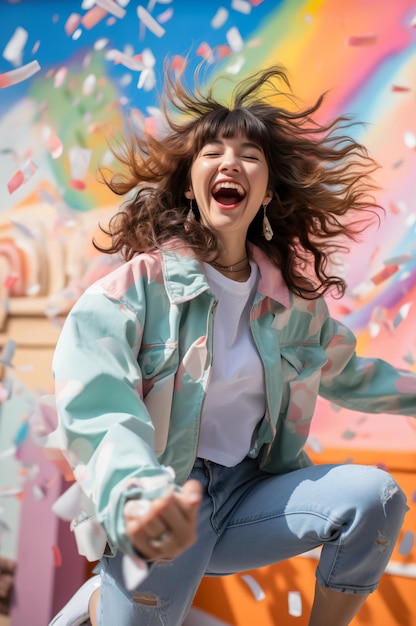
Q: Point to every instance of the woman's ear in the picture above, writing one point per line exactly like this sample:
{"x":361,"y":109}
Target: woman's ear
{"x":268,"y":196}
{"x":189,"y":194}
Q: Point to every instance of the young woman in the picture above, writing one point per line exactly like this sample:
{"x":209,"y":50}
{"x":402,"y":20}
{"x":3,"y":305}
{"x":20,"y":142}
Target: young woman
{"x":186,"y":379}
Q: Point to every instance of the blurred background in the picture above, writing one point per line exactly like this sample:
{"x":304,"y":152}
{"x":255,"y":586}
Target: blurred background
{"x":71,"y":73}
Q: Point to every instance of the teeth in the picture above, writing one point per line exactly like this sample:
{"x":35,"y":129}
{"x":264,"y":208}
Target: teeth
{"x":228,"y":185}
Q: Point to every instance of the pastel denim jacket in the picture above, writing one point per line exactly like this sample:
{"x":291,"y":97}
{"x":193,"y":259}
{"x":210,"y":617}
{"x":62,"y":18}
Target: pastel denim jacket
{"x":132,"y":366}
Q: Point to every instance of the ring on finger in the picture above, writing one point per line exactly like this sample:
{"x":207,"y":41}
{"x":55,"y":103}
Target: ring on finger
{"x":157,"y":542}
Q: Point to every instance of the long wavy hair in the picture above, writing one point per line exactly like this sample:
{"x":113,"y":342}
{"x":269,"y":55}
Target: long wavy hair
{"x":321,"y":178}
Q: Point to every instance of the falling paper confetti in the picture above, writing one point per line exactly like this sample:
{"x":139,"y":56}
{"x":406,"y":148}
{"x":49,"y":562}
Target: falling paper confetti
{"x":13,"y":51}
{"x":219,"y":18}
{"x":365,"y":40}
{"x":242,"y":6}
{"x":234,"y":39}
{"x":19,"y":75}
{"x":57,"y":556}
{"x":149,"y":21}
{"x":407,"y":542}
{"x":111,"y":7}
{"x":21,"y":176}
{"x":384,"y":274}
{"x":254,"y":587}
{"x":294,"y":601}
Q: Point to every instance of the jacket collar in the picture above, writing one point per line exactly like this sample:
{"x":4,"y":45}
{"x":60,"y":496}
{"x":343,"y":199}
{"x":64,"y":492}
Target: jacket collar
{"x":185,"y":278}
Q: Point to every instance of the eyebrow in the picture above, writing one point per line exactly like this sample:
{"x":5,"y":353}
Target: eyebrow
{"x":246,"y":144}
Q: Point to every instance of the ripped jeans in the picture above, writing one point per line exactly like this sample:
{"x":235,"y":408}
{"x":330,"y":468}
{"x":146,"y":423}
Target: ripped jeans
{"x":249,"y":519}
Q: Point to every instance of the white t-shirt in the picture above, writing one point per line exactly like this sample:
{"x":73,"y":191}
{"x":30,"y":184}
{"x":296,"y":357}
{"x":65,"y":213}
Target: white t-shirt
{"x":235,"y":402}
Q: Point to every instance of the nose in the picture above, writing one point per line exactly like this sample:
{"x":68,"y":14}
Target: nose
{"x":229,"y":162}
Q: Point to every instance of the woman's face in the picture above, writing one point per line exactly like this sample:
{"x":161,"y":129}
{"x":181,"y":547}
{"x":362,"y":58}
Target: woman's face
{"x":229,"y":182}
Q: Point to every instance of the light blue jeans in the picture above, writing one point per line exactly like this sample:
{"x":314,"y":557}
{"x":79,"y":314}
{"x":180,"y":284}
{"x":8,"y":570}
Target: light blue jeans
{"x":249,"y":519}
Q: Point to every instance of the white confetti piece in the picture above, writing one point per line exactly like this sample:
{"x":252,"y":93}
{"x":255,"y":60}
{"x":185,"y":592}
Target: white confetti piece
{"x":402,"y":314}
{"x":89,"y":84}
{"x":132,"y":63}
{"x":294,"y":600}
{"x":79,"y":159}
{"x":77,"y":34}
{"x":219,"y":18}
{"x":60,"y":77}
{"x":7,"y":492}
{"x":406,"y":543}
{"x":242,"y":6}
{"x":13,"y":50}
{"x":409,"y":138}
{"x":235,"y":67}
{"x":315,"y":444}
{"x":19,"y":75}
{"x":254,"y":587}
{"x":234,"y":39}
{"x":100,"y":44}
{"x":147,"y":80}
{"x":149,"y":21}
{"x":53,"y":142}
{"x":111,"y":7}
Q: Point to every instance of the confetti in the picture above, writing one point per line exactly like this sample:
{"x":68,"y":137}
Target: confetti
{"x":399,"y":88}
{"x":254,"y":587}
{"x":79,"y":159}
{"x":315,"y":444}
{"x":165,"y":16}
{"x":294,"y":600}
{"x":22,"y":434}
{"x":21,"y":176}
{"x":364,"y":40}
{"x":13,"y":51}
{"x":57,"y":556}
{"x":219,"y":18}
{"x":234,"y":39}
{"x":89,"y":85}
{"x":384,"y":274}
{"x":147,"y":20}
{"x":409,"y":139}
{"x":242,"y":6}
{"x":406,"y":544}
{"x":93,"y":17}
{"x":132,"y":63}
{"x":111,"y":7}
{"x":7,"y":79}
{"x":72,"y":23}
{"x":402,"y":314}
{"x":53,"y":142}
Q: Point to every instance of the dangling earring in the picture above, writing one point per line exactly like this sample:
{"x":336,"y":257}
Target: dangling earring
{"x":190,"y":215}
{"x":267,"y":229}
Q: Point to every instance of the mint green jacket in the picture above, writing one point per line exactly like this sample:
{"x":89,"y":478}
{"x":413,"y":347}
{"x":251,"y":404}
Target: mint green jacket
{"x":132,"y":367}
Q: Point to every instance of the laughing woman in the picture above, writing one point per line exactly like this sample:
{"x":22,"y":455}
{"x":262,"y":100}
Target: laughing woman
{"x":186,"y":379}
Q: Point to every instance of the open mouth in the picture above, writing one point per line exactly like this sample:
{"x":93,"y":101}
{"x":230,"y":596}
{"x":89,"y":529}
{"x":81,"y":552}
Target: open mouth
{"x":228,"y":193}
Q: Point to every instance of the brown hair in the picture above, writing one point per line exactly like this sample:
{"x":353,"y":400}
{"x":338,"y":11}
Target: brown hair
{"x":320,"y":177}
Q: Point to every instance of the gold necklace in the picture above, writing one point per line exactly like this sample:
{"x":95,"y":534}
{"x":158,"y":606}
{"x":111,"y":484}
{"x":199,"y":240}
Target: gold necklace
{"x":230,"y":268}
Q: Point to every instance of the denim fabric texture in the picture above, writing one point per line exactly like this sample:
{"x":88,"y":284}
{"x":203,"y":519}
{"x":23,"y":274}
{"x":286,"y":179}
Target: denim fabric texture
{"x":250,"y":518}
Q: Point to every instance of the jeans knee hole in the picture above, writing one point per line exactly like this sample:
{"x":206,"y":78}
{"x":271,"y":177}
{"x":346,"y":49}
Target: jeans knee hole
{"x":146,"y":599}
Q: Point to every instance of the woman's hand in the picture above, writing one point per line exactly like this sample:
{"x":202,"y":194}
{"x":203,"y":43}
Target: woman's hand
{"x":166,"y":526}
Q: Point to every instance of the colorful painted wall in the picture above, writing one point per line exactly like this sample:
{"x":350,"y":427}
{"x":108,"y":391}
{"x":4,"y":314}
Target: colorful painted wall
{"x":72,"y":71}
